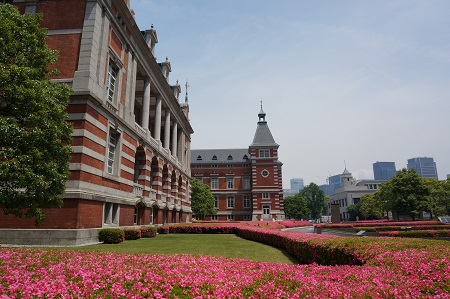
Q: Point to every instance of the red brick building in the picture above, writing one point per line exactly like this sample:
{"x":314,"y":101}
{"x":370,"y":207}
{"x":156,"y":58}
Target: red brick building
{"x":131,"y":142}
{"x":246,"y":183}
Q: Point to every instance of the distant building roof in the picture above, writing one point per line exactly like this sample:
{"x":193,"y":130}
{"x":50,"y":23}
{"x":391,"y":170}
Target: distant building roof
{"x":220,"y":155}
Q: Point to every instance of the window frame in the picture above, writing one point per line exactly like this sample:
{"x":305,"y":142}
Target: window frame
{"x":113,"y":152}
{"x":230,"y":202}
{"x":264,"y":153}
{"x":112,"y":80}
{"x":230,"y":183}
{"x":247,"y":203}
{"x":216,"y":202}
{"x":214,"y":183}
{"x":246,"y":182}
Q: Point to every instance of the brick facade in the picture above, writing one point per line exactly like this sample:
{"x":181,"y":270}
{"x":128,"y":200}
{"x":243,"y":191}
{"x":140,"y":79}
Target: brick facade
{"x":131,"y":139}
{"x":246,"y":183}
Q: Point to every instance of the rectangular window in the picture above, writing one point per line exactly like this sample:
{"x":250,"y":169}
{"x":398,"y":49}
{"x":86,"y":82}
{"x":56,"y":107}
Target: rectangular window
{"x":246,"y":182}
{"x":213,"y":217}
{"x":265,"y":196}
{"x":111,"y":81}
{"x":246,"y":201}
{"x":230,"y":183}
{"x":111,"y":213}
{"x":216,"y":202}
{"x":136,"y":215}
{"x":264,"y":153}
{"x":112,"y":146}
{"x":214,"y":183}
{"x":247,"y":217}
{"x":230,"y":217}
{"x":230,"y":202}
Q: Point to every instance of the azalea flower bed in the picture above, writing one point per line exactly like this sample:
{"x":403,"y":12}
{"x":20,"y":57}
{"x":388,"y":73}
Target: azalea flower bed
{"x":430,"y":233}
{"x":295,"y":223}
{"x":382,"y":268}
{"x":379,"y":224}
{"x":396,"y":228}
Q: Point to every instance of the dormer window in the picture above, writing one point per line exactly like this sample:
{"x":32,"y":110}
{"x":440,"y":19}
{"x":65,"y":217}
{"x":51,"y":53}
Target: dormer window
{"x":214,"y":157}
{"x":230,"y":157}
{"x":245,"y":157}
{"x":199,"y":158}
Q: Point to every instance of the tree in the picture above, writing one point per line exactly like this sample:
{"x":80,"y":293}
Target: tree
{"x":354,"y":211}
{"x":404,"y":194}
{"x":369,"y":207}
{"x":315,"y":200}
{"x":295,"y":207}
{"x":202,"y":200}
{"x":438,"y":199}
{"x":34,"y":135}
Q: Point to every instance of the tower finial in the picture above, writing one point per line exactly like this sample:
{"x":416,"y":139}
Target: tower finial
{"x":262,"y":114}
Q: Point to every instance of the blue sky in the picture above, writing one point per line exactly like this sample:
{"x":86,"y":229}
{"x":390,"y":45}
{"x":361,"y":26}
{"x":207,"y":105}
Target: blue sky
{"x":351,"y":80}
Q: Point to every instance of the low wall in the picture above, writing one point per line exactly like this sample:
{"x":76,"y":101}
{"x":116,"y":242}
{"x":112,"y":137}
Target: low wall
{"x":49,"y":237}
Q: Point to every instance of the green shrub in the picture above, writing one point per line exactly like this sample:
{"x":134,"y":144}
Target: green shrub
{"x":111,"y":235}
{"x":132,"y":234}
{"x":164,"y":230}
{"x":148,"y":232}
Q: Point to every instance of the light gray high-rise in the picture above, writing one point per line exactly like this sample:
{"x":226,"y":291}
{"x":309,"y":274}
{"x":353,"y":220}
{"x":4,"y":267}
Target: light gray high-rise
{"x":297,"y":184}
{"x":384,"y":170}
{"x":424,"y":166}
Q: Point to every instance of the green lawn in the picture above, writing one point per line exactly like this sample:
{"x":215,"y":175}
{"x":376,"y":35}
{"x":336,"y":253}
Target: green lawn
{"x":204,"y":244}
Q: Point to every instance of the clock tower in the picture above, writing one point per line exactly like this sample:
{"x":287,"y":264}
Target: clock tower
{"x":267,"y":188}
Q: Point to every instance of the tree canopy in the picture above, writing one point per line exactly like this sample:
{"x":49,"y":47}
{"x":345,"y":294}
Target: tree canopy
{"x":295,"y":207}
{"x":202,"y":201}
{"x":315,"y":200}
{"x":404,"y":194}
{"x":34,"y":135}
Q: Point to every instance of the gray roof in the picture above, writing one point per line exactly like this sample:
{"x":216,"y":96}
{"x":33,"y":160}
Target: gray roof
{"x":263,"y":137}
{"x":219,"y":155}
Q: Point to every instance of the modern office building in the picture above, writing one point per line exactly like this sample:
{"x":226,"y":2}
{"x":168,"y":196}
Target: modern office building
{"x":247,"y":182}
{"x":384,"y":170}
{"x":297,"y":184}
{"x":424,"y":166}
{"x":130,"y":164}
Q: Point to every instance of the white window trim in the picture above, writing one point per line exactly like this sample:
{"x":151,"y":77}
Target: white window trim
{"x":230,"y":183}
{"x":230,"y":199}
{"x":116,"y":164}
{"x":247,"y":199}
{"x":264,"y":153}
{"x":215,"y":185}
{"x":216,"y":202}
{"x":111,"y":214}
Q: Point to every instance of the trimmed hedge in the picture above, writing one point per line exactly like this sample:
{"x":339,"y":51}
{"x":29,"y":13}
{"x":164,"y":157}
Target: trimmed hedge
{"x":196,"y":229}
{"x":418,"y":234}
{"x":164,"y":230}
{"x":132,"y":233}
{"x":111,"y":235}
{"x":148,"y":232}
{"x":304,"y":251}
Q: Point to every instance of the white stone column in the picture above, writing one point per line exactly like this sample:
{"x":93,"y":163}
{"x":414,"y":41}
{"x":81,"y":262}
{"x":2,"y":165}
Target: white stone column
{"x":167,"y":130}
{"x":157,"y":129}
{"x":146,"y":104}
{"x":175,"y":139}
